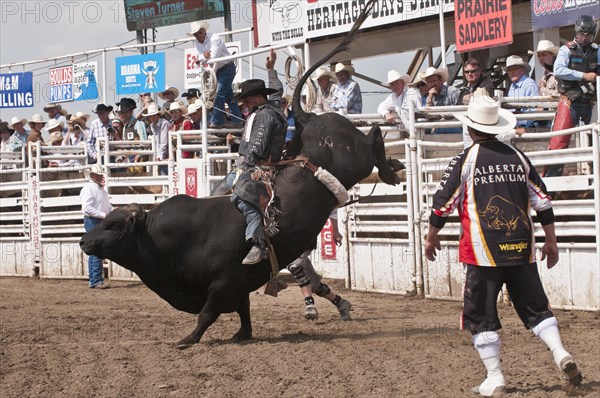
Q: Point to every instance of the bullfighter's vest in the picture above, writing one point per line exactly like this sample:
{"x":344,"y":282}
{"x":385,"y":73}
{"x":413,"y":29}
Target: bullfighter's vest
{"x":276,"y":131}
{"x":583,"y":62}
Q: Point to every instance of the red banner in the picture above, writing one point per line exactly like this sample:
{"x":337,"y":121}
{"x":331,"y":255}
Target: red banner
{"x":482,"y":24}
{"x":191,"y":182}
{"x":328,"y":248}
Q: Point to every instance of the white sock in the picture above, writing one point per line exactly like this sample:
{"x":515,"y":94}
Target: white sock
{"x":488,"y":346}
{"x":547,"y":331}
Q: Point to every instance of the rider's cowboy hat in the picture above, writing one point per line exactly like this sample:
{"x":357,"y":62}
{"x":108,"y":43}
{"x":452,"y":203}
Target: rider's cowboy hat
{"x":16,"y":120}
{"x":177,"y":106}
{"x":324,"y":72}
{"x":126,"y":104}
{"x":37,"y":118}
{"x":515,"y":60}
{"x":196,"y":26}
{"x":484,"y":114}
{"x":152,"y":109}
{"x":441,"y":72}
{"x":253,"y":87}
{"x":171,"y":90}
{"x":545,"y":46}
{"x":340,"y":67}
{"x":102,"y":107}
{"x":93,"y":169}
{"x":52,"y":106}
{"x":53,"y":124}
{"x":394,"y":75}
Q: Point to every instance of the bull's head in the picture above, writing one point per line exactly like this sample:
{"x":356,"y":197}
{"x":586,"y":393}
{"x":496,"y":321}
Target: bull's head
{"x":112,"y":238}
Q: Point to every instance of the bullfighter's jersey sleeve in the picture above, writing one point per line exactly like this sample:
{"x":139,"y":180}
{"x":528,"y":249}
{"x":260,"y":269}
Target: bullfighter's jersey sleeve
{"x":493,"y":186}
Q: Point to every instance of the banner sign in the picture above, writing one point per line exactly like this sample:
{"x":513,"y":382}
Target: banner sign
{"x":482,"y":24}
{"x":296,"y":19}
{"x":138,"y":74}
{"x":149,"y":14}
{"x":192,"y":73}
{"x":328,"y":247}
{"x":550,"y":14}
{"x":61,"y":84}
{"x":16,"y":90}
{"x":85,"y":81}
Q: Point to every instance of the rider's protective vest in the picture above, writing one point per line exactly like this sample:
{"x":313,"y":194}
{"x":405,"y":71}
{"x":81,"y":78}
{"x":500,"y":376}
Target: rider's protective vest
{"x":583,"y":62}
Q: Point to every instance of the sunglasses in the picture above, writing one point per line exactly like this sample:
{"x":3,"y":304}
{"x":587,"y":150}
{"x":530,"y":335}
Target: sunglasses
{"x":468,"y":72}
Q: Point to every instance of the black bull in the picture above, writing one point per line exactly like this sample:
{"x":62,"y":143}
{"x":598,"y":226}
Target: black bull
{"x":189,"y":251}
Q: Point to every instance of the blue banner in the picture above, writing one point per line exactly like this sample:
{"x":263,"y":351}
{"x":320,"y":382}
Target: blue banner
{"x":16,"y":90}
{"x":550,"y":14}
{"x":140,"y":74}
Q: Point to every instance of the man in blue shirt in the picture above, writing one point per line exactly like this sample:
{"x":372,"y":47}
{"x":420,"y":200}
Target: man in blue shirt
{"x":521,"y":84}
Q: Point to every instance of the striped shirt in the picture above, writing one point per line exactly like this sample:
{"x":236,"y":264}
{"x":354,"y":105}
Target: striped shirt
{"x":97,"y":130}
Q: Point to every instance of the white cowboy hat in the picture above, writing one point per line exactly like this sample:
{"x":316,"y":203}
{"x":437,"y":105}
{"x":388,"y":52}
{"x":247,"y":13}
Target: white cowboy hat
{"x":177,"y":106}
{"x":394,"y":75}
{"x":152,"y":109}
{"x":545,"y":46}
{"x":196,"y":26}
{"x":37,"y":118}
{"x":52,"y":124}
{"x":324,"y":72}
{"x":515,"y":60}
{"x":80,"y":117}
{"x":54,"y":137}
{"x":93,"y":169}
{"x":50,"y":106}
{"x":195,"y":107}
{"x":441,"y":72}
{"x":172,"y":90}
{"x":16,"y":120}
{"x":484,"y":114}
{"x":340,"y":67}
{"x":420,"y":78}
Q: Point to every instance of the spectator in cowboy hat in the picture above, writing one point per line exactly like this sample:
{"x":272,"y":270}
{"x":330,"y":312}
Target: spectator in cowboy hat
{"x":116,"y":134}
{"x":132,"y":127}
{"x":327,"y":90}
{"x":195,"y":114}
{"x":546,"y":55}
{"x":349,"y":97}
{"x":511,"y":185}
{"x":78,"y":132}
{"x":95,"y":206}
{"x":179,"y":122}
{"x":37,"y":124}
{"x":521,"y":85}
{"x":18,"y":139}
{"x":159,"y":128}
{"x":98,"y":129}
{"x":192,"y":95}
{"x":211,"y":46}
{"x":440,"y":94}
{"x":55,"y":111}
{"x":169,"y":96}
{"x":417,"y":91}
{"x":390,"y":108}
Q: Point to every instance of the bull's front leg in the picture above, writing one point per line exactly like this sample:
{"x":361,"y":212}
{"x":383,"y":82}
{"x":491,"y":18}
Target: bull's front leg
{"x":243,"y":311}
{"x":210,"y":312}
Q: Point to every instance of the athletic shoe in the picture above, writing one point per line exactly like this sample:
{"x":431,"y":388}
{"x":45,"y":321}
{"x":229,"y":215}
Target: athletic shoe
{"x":570,"y":371}
{"x":311,"y":312}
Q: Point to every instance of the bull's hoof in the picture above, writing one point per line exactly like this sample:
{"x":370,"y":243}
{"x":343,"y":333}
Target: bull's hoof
{"x":187,"y":342}
{"x":242,"y":335}
{"x":396,"y":165}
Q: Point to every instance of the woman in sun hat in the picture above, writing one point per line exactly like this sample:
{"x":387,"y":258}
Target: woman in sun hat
{"x":494,"y":186}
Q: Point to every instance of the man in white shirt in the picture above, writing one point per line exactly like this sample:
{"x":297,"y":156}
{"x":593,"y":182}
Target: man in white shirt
{"x":211,"y":46}
{"x":95,"y":206}
{"x":390,"y":108}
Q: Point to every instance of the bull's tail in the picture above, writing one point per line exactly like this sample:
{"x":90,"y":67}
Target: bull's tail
{"x":299,"y":114}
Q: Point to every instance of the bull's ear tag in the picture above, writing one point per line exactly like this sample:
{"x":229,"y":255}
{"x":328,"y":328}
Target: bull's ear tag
{"x":274,"y":286}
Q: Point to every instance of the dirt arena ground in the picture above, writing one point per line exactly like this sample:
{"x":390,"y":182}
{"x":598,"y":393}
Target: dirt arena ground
{"x":61,"y":339}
